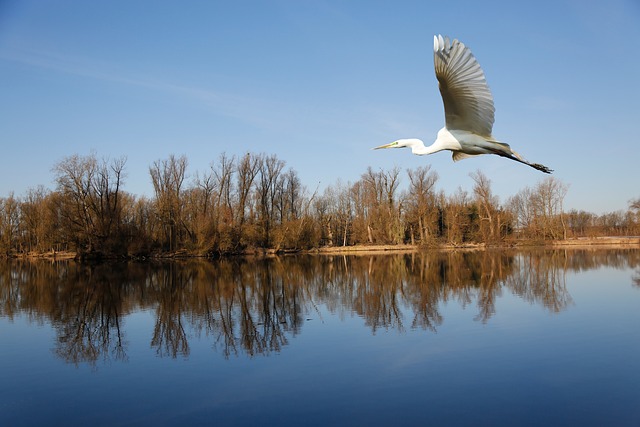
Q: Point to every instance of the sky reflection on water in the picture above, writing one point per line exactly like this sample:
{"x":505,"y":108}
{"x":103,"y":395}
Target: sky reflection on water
{"x":544,"y":337}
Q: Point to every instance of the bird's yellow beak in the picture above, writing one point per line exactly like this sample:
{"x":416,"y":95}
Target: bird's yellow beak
{"x":390,"y":145}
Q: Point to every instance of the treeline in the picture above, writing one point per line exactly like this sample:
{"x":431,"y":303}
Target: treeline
{"x":254,"y":201}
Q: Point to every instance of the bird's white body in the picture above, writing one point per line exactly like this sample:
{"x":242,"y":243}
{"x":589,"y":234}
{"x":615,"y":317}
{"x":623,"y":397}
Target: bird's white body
{"x":468,"y":106}
{"x":460,"y":142}
{"x":452,"y":140}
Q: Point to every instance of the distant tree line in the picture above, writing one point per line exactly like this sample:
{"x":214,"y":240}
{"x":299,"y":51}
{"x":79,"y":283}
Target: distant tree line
{"x":255,"y":202}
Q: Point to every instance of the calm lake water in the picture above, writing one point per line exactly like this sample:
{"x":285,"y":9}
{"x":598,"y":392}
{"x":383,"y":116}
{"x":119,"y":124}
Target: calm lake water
{"x":464,"y":338}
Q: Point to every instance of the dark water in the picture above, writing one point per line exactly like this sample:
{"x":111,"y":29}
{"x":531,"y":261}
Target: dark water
{"x":483,"y":338}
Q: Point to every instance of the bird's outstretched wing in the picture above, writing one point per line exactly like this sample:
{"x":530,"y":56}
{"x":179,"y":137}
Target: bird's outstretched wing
{"x":468,"y":104}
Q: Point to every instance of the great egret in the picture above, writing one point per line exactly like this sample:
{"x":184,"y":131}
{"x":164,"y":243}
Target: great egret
{"x":468,"y":108}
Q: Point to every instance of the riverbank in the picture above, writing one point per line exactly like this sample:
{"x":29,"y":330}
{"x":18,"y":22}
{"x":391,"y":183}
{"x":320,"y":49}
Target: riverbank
{"x":581,"y":242}
{"x":576,"y":243}
{"x":598,"y":241}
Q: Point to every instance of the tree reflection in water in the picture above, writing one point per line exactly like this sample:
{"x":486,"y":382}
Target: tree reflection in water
{"x":255,"y":306}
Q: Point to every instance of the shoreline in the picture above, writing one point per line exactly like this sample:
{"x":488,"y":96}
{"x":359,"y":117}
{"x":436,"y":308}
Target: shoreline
{"x":576,"y":243}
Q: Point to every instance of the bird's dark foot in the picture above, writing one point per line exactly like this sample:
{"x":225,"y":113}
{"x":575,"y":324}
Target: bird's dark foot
{"x":541,"y":168}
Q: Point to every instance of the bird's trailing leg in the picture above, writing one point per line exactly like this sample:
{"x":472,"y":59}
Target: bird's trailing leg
{"x":540,"y":167}
{"x":515,"y":156}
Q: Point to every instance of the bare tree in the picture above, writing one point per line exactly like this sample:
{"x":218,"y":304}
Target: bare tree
{"x":634,"y":211}
{"x":269,"y":170}
{"x":105,"y":203}
{"x":422,"y":211}
{"x":487,"y":205}
{"x":457,"y":216}
{"x":89,"y":200}
{"x":9,"y":223}
{"x":579,"y":223}
{"x":168,"y":178}
{"x":538,"y":211}
{"x":246,"y":172}
{"x":223,"y":172}
{"x":34,"y":219}
{"x":381,"y":207}
{"x":74,"y":176}
{"x":550,"y":194}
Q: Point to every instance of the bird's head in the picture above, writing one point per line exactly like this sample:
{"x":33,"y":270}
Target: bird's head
{"x":401,"y":143}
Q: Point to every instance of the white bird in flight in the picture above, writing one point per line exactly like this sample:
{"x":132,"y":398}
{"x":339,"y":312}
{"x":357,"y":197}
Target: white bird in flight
{"x":468,"y":108}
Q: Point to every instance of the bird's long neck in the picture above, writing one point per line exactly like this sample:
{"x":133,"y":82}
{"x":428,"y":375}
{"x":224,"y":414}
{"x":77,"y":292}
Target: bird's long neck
{"x":420,"y":149}
{"x":446,"y":140}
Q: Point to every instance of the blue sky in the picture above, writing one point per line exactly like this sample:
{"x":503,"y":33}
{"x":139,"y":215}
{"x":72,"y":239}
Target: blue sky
{"x":318,"y":83}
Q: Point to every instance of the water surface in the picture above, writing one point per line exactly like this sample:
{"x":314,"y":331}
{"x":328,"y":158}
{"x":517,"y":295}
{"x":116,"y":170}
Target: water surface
{"x":460,"y":338}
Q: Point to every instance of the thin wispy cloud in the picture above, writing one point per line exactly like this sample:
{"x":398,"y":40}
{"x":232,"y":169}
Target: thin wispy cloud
{"x":265,"y":113}
{"x":259,"y":112}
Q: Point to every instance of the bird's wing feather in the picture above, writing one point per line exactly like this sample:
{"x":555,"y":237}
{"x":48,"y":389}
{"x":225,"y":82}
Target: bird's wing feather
{"x":459,"y":155}
{"x":468,"y":104}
